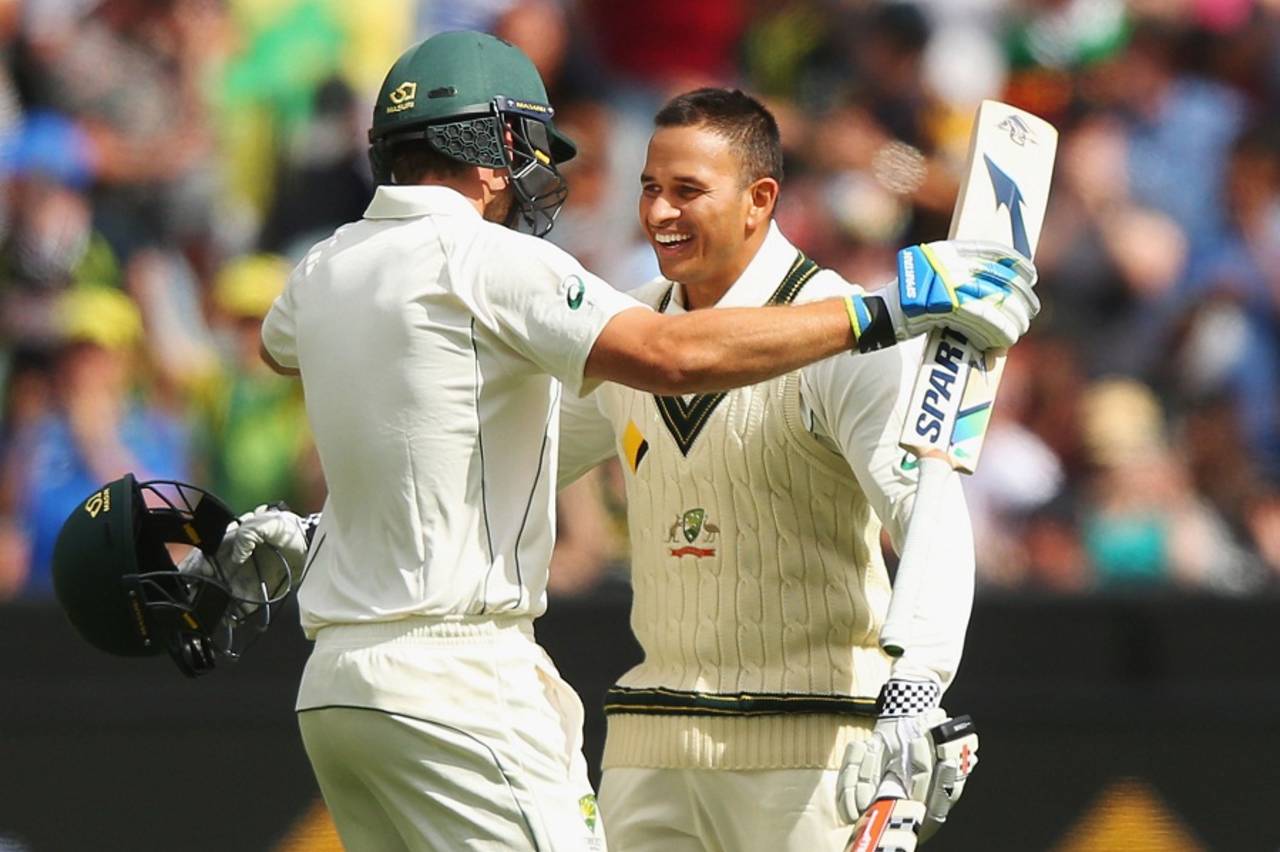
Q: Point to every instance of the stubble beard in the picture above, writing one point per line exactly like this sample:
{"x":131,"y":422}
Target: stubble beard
{"x":499,"y":207}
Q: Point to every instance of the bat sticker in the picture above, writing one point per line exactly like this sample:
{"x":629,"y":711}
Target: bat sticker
{"x":1008,"y":195}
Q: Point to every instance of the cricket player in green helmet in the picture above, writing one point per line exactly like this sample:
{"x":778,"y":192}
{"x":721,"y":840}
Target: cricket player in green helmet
{"x":478,"y":100}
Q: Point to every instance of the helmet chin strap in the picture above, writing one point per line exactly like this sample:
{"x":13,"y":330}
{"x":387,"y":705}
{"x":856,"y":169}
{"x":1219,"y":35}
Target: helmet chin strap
{"x":194,"y":653}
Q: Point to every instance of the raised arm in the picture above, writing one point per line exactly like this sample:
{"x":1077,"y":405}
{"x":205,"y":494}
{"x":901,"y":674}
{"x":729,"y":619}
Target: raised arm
{"x":980,"y":288}
{"x":717,"y":349}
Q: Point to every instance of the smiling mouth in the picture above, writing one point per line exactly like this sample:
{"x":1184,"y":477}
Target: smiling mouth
{"x":671,"y":240}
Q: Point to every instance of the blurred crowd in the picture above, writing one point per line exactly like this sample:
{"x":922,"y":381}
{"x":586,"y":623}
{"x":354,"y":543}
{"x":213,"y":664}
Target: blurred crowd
{"x":163,"y":163}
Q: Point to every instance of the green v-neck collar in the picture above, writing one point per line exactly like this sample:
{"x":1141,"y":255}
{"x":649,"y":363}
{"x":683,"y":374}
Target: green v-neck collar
{"x":685,"y":419}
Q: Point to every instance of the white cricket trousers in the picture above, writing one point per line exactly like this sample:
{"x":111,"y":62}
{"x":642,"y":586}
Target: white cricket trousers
{"x":721,"y":810}
{"x":446,"y":735}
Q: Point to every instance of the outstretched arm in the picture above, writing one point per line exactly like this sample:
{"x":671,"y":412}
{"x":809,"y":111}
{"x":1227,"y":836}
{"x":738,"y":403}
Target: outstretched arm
{"x":717,"y":349}
{"x":979,"y":287}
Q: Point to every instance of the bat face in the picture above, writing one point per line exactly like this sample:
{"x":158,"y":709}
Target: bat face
{"x":1003,"y":199}
{"x":1006,"y":189}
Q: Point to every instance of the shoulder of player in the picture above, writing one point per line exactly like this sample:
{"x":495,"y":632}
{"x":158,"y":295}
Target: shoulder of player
{"x":501,"y":245}
{"x":317,"y":253}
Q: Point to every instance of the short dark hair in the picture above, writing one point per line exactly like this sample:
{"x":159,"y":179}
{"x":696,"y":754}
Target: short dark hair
{"x":736,"y":116}
{"x":414,"y":159}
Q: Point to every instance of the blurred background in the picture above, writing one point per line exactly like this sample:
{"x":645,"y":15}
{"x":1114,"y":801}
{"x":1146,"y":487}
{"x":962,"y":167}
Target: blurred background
{"x":163,"y":163}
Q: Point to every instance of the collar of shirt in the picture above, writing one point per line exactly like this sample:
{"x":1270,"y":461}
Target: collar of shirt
{"x":406,"y":202}
{"x":758,"y":281}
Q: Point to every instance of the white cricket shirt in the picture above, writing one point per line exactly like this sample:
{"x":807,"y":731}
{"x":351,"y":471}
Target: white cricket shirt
{"x":432,"y":346}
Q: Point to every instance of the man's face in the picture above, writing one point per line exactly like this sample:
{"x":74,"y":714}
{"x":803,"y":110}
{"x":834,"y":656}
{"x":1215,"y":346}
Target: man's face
{"x":694,"y":206}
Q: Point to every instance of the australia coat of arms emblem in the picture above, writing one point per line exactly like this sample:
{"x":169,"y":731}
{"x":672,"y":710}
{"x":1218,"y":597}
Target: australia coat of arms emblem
{"x":692,"y":532}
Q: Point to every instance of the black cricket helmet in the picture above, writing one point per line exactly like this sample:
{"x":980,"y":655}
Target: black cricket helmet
{"x":461,"y":92}
{"x":115,"y":576}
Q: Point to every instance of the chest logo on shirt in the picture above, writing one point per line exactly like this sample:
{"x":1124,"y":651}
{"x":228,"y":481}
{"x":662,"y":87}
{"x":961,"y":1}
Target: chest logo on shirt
{"x":696,"y":531}
{"x":634,"y":446}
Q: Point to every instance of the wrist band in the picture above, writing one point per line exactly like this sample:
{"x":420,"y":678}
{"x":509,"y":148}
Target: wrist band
{"x":869,"y":318}
{"x":907,"y":698}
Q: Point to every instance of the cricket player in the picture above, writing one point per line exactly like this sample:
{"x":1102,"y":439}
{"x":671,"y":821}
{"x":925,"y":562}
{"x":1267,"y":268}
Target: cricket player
{"x":755,"y":519}
{"x":435,"y":342}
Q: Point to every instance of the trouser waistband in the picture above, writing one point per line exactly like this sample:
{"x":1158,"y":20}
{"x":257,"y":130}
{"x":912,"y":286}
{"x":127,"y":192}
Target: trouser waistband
{"x":462,"y":628}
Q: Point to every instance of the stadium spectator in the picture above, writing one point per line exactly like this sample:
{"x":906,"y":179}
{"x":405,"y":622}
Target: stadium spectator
{"x":97,"y":430}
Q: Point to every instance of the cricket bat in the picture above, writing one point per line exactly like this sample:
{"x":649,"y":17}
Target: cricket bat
{"x":1002,"y":198}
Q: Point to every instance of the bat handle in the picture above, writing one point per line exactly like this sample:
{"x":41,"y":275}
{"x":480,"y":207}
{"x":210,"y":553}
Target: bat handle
{"x":889,"y":824}
{"x":899,"y":624}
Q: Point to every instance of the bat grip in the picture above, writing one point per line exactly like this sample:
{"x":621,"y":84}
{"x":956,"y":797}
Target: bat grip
{"x":896,"y":635}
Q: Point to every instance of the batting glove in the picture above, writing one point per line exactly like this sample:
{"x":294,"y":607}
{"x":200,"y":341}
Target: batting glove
{"x":280,"y":528}
{"x":981,"y":289}
{"x":915,"y":753}
{"x":286,"y":533}
{"x":895,"y":761}
{"x":955,"y":754}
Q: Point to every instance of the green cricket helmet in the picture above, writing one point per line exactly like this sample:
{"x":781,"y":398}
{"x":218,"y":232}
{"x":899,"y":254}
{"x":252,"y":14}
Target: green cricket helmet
{"x":460,"y":91}
{"x":115,"y":576}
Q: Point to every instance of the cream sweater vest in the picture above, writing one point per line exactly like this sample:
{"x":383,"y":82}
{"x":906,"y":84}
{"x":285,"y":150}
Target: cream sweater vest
{"x":758,"y":581}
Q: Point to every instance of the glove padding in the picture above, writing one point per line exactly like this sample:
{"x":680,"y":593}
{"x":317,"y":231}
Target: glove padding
{"x":282,"y":530}
{"x":954,"y":755}
{"x":982,"y":289}
{"x":915,"y":752}
{"x":897,"y":756}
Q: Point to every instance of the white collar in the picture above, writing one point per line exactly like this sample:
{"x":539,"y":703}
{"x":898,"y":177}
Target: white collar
{"x":757,"y":282}
{"x":404,"y":202}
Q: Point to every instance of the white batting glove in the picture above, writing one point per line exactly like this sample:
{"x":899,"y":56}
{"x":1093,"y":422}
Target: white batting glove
{"x":281,"y":529}
{"x":955,"y":754}
{"x":981,"y":289}
{"x":896,"y":760}
{"x":901,"y":760}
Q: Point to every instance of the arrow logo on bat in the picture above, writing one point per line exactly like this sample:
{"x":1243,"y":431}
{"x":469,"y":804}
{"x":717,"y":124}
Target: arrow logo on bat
{"x":1008,"y":195}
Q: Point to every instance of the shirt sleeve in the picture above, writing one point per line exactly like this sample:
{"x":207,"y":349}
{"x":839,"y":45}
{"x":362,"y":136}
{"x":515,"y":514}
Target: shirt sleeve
{"x":540,"y":300}
{"x":586,"y":437}
{"x":279,"y":328}
{"x":859,"y":403}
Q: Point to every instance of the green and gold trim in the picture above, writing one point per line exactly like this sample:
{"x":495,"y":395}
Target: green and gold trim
{"x":685,"y":419}
{"x":660,"y":701}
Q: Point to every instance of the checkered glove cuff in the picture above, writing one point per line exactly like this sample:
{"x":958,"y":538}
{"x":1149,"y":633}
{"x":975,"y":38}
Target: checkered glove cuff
{"x":907,"y":698}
